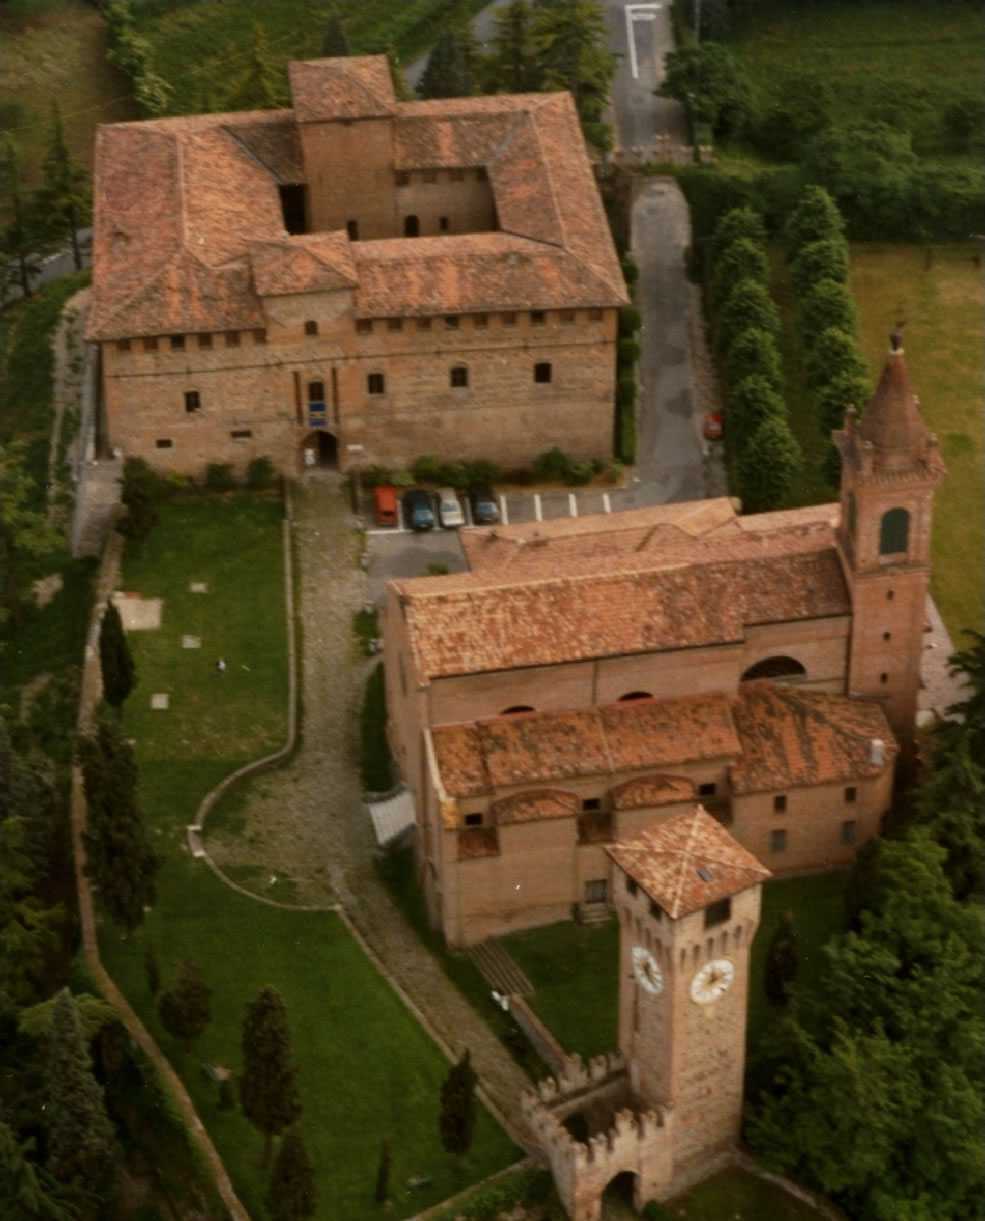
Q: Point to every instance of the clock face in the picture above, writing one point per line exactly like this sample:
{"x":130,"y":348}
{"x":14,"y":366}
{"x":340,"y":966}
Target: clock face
{"x":647,"y":973}
{"x":712,"y":980}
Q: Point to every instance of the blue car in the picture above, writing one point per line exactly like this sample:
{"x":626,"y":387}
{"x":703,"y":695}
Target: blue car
{"x":418,"y":510}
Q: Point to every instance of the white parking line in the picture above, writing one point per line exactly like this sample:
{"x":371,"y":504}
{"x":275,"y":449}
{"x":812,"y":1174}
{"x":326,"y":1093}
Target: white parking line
{"x":572,"y":504}
{"x":502,"y":511}
{"x":637,"y":12}
{"x":607,"y":507}
{"x":538,"y":511}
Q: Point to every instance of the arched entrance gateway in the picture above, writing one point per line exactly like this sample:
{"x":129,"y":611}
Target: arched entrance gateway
{"x":320,"y":449}
{"x":619,"y":1198}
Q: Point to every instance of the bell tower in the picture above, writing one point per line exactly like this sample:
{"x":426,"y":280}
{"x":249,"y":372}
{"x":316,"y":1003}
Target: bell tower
{"x":891,"y":469}
{"x":688,"y":900}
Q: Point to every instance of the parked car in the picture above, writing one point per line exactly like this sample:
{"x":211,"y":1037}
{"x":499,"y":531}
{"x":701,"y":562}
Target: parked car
{"x":385,"y":505}
{"x":714,"y":426}
{"x":418,"y":512}
{"x":450,"y":513}
{"x":485,"y":510}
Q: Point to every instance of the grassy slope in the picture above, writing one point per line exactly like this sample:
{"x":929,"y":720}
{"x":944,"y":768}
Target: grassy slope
{"x":938,"y":291}
{"x":368,"y":1071}
{"x":735,"y":1194}
{"x":54,"y":50}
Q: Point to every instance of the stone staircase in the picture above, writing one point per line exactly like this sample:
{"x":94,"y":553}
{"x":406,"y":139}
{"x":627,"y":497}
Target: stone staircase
{"x":499,"y":969}
{"x":594,"y":913}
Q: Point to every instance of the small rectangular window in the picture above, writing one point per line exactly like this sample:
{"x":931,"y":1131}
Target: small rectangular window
{"x":508,"y":318}
{"x":232,"y":339}
{"x":631,"y":887}
{"x":364,"y":326}
{"x":424,"y":324}
{"x":543,"y":372}
{"x":778,"y":841}
{"x":596,"y":891}
{"x":259,"y":336}
{"x":780,"y":804}
{"x":568,"y":316}
{"x":718,"y":912}
{"x":123,"y":345}
{"x":430,"y":176}
{"x":473,"y":820}
{"x":241,"y":434}
{"x":479,"y":321}
{"x":443,"y":223}
{"x":316,"y":392}
{"x":707,"y":790}
{"x":848,"y":832}
{"x":451,"y":322}
{"x":375,"y":383}
{"x":537,"y":317}
{"x":851,"y":793}
{"x":164,"y":443}
{"x":177,"y":343}
{"x":456,"y":175}
{"x":193,"y":401}
{"x":403,"y":178}
{"x":595,"y":315}
{"x":311,"y":327}
{"x":205,"y":341}
{"x":352,"y":230}
{"x":150,"y":343}
{"x":656,"y":911}
{"x":459,"y":377}
{"x":395,"y":324}
{"x":588,"y":804}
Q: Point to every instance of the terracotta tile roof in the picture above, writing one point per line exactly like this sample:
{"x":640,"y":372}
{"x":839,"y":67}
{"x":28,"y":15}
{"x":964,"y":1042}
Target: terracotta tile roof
{"x":792,"y":737}
{"x":311,"y":262}
{"x":452,"y":133}
{"x":534,"y":805}
{"x":654,"y":789}
{"x":534,"y":748}
{"x":666,"y":858}
{"x":469,"y":624}
{"x":525,"y":200}
{"x":275,"y":143}
{"x":354,"y":87}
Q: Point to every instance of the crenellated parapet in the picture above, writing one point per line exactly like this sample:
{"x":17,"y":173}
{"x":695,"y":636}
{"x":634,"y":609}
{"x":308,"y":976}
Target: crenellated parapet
{"x":576,"y":1077}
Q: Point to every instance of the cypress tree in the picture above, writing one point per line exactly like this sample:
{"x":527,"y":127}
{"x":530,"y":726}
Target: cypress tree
{"x":446,"y":74}
{"x":457,"y":1118}
{"x":768,"y":466}
{"x":782,"y":962}
{"x":119,"y":855}
{"x":335,"y":43}
{"x":291,"y":1196}
{"x":267,"y":1089}
{"x":259,"y":86}
{"x":64,"y":200}
{"x":19,"y":237}
{"x":115,"y":659}
{"x":184,"y":1008}
{"x":82,"y":1146}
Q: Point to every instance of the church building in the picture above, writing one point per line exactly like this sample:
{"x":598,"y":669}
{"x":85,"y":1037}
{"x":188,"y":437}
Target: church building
{"x":589,"y":678}
{"x":356,"y":279}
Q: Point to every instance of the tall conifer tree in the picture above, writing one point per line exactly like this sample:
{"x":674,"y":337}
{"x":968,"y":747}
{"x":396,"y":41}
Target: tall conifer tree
{"x":184,"y":1008}
{"x":267,"y":1087}
{"x":457,"y":1118}
{"x":64,"y":200}
{"x":291,"y":1196}
{"x":115,"y":660}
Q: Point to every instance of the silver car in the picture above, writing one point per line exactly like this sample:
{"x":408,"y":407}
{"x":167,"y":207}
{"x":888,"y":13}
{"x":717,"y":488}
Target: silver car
{"x":450,"y":513}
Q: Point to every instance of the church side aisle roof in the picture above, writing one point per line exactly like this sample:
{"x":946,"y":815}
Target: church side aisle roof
{"x":686,"y":861}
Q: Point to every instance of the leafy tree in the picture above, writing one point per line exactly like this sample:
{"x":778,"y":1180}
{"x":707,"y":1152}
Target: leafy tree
{"x":25,"y":532}
{"x":782,"y":962}
{"x":750,"y":402}
{"x":401,"y":89}
{"x":571,"y":39}
{"x":747,"y":306}
{"x":963,"y":122}
{"x":118,"y":671}
{"x":740,"y":261}
{"x":738,"y":224}
{"x":841,"y":391}
{"x":82,"y":1146}
{"x":29,"y":930}
{"x":834,"y":355}
{"x":141,"y":488}
{"x":447,"y":73}
{"x":709,"y":19}
{"x":184,"y":1008}
{"x":866,"y":167}
{"x":511,"y":66}
{"x":826,"y":259}
{"x":259,"y":88}
{"x":291,"y":1195}
{"x":712,"y":83}
{"x":753,"y":351}
{"x":457,"y":1118}
{"x":769,"y":466}
{"x":64,"y":199}
{"x":268,"y":1093}
{"x":19,"y":239}
{"x":826,"y":305}
{"x":800,"y":106}
{"x":815,"y":219}
{"x":382,"y":1192}
{"x":119,"y":856}
{"x":335,"y":43}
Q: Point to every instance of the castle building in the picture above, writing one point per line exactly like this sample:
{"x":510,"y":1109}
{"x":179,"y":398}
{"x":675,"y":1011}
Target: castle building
{"x":356,"y":278}
{"x":590,"y":677}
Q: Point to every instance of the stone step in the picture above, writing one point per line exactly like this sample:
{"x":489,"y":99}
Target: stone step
{"x":594,"y":913}
{"x":498,"y":968}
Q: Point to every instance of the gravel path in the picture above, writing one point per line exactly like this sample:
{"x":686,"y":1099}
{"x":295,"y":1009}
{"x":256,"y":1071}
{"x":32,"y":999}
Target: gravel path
{"x":305,"y":823}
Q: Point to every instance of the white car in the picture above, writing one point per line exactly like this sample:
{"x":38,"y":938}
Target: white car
{"x":450,"y":513}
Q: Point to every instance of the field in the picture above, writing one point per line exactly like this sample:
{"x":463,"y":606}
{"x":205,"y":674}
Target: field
{"x":368,"y":1072}
{"x":901,"y":63}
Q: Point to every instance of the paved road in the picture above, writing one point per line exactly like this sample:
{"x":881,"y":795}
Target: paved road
{"x":641,"y":34}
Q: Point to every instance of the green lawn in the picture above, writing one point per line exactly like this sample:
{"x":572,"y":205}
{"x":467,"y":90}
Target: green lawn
{"x":575,"y":972}
{"x":735,"y":1195}
{"x":368,"y":1072}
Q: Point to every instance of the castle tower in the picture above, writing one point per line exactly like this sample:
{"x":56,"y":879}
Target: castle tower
{"x":688,"y":899}
{"x":891,"y":468}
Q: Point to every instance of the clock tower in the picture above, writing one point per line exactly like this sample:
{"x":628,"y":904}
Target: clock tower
{"x":687,"y":897}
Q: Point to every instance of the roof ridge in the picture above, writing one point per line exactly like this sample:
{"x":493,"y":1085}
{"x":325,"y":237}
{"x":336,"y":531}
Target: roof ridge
{"x":549,"y":174}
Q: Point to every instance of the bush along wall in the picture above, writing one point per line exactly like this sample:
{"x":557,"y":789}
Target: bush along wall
{"x":627,"y":354}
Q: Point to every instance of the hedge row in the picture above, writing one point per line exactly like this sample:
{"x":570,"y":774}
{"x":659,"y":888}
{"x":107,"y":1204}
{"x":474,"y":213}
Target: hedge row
{"x":133,"y":54}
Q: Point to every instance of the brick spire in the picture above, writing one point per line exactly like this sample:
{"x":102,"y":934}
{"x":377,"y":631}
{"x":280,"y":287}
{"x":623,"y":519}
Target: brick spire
{"x":892,"y":422}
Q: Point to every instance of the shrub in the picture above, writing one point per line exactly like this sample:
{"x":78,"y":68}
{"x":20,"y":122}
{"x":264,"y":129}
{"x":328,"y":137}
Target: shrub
{"x":141,"y":479}
{"x":962,"y":122}
{"x":866,"y":167}
{"x":376,"y":477}
{"x":219,"y":477}
{"x":613,"y":473}
{"x":750,"y":402}
{"x":426,"y":469}
{"x":629,"y":321}
{"x":748,"y":305}
{"x":435,"y":569}
{"x":175,"y":481}
{"x":710,"y":195}
{"x":259,"y":474}
{"x":828,"y":303}
{"x":454,"y":475}
{"x":826,"y":259}
{"x":375,"y":764}
{"x":552,"y":465}
{"x":741,"y":260}
{"x":768,"y":467}
{"x":816,"y":218}
{"x":799,"y":108}
{"x":630,"y":273}
{"x":725,"y":99}
{"x":739,"y":224}
{"x":946,"y":202}
{"x":626,"y":389}
{"x":629,"y":352}
{"x":753,"y":352}
{"x":482,"y":471}
{"x":833,"y":398}
{"x":578,"y":474}
{"x":626,"y":433}
{"x":835,"y":353}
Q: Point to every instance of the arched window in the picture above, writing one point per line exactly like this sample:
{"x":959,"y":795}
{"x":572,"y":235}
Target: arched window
{"x":894,"y":532}
{"x":774,"y":667}
{"x":635,"y":695}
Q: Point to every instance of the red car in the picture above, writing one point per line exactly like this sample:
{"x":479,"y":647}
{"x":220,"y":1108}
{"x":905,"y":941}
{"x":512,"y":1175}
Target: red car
{"x":714,"y":426}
